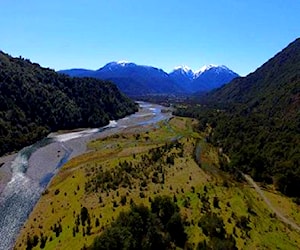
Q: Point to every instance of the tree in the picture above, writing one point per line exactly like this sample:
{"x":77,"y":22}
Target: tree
{"x":123,"y":200}
{"x":164,"y":208}
{"x":97,"y":222}
{"x":84,"y":214}
{"x":176,"y":229}
{"x":216,"y":202}
{"x":212,"y":225}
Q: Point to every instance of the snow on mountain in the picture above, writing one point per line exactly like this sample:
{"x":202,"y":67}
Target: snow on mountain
{"x":217,"y":68}
{"x":212,"y":76}
{"x":205,"y":68}
{"x":183,"y":68}
{"x":122,"y":63}
{"x":117,"y":64}
{"x":195,"y":74}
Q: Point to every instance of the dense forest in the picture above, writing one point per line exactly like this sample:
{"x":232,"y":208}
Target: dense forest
{"x":35,"y":101}
{"x":256,"y":121}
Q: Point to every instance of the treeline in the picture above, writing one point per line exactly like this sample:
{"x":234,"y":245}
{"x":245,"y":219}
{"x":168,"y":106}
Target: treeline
{"x":35,"y":101}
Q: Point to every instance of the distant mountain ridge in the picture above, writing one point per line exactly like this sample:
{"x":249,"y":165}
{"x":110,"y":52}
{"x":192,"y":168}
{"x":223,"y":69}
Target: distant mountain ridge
{"x":205,"y":79}
{"x":135,"y":79}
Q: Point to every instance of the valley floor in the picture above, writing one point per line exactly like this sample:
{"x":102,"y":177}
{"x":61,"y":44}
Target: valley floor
{"x":136,"y":165}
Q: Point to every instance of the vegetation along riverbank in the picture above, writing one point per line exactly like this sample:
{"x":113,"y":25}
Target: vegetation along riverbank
{"x":89,"y":200}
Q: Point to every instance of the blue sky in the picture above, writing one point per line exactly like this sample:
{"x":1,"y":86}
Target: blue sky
{"x":63,"y":34}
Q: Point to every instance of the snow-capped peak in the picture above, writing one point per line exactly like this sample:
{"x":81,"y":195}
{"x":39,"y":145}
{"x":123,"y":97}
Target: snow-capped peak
{"x":122,"y":62}
{"x":218,"y":69}
{"x":117,"y":64}
{"x":187,"y":70}
{"x":184,"y":68}
{"x":205,"y":68}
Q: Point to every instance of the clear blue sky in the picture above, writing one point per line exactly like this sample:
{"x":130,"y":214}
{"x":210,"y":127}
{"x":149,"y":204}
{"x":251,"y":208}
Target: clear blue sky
{"x":63,"y":34}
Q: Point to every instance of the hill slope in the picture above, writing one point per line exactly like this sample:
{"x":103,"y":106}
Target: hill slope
{"x":259,"y":121}
{"x":35,"y":101}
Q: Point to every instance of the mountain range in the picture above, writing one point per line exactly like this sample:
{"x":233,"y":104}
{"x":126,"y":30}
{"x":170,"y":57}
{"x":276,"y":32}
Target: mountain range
{"x":137,"y":80}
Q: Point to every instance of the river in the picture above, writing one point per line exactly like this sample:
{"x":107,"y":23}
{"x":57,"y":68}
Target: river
{"x":34,"y":166}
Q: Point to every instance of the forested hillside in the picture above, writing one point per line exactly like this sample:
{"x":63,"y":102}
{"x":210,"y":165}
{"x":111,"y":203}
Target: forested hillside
{"x":256,"y":120}
{"x":35,"y":101}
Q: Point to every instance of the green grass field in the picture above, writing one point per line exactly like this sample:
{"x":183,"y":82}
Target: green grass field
{"x":139,"y":166}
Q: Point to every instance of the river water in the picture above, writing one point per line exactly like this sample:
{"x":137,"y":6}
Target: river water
{"x":32,"y":168}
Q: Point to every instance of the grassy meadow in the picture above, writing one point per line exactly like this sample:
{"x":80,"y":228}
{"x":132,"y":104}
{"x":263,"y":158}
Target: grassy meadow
{"x":169,"y":158}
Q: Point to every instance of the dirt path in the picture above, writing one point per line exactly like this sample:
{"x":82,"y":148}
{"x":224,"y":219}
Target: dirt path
{"x":270,"y":206}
